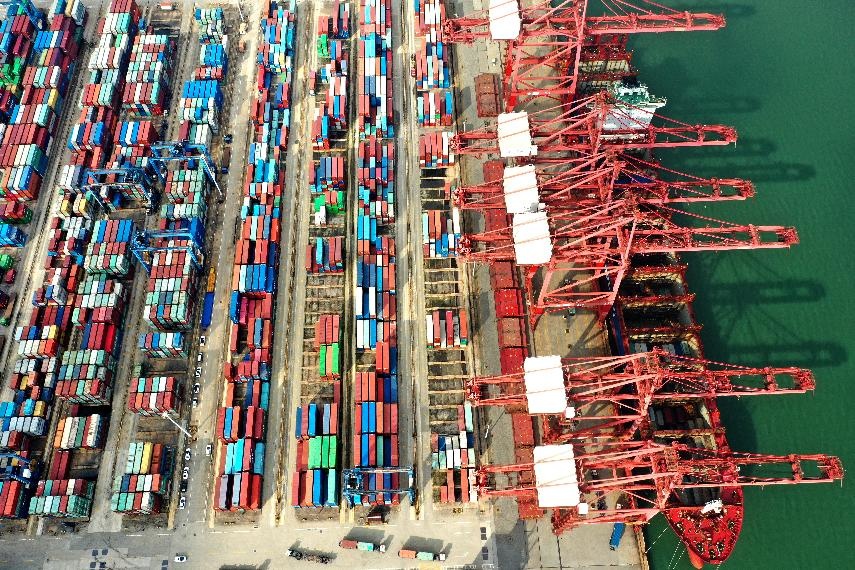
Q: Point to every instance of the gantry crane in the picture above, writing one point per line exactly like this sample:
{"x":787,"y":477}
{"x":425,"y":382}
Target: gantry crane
{"x":356,"y":482}
{"x":128,"y":177}
{"x":544,"y":43}
{"x":599,"y":177}
{"x":147,"y":243}
{"x":588,"y":125}
{"x":184,"y":152}
{"x":585,"y":252}
{"x":635,"y":480}
{"x":611,"y":395}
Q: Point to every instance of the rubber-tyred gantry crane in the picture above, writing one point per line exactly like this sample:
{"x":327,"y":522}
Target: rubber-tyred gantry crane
{"x":544,"y":42}
{"x":634,"y":480}
{"x":611,"y":396}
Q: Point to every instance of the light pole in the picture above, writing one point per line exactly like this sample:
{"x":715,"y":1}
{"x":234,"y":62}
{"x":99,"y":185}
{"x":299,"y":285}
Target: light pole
{"x":184,"y":431}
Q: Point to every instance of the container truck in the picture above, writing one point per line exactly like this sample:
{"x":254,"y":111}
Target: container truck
{"x":308,"y":557}
{"x":364,"y":546}
{"x":419,"y":555}
{"x":7,"y":304}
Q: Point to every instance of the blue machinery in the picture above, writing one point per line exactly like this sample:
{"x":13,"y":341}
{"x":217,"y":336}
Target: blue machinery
{"x":25,"y":473}
{"x":162,"y":155}
{"x":130,"y":177}
{"x":33,"y":13}
{"x":355,"y":482}
{"x":185,"y":152}
{"x":143,"y":250}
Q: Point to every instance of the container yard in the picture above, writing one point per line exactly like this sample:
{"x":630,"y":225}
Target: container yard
{"x":299,"y":269}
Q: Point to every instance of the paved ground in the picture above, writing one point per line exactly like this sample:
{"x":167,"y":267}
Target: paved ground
{"x":493,"y":530}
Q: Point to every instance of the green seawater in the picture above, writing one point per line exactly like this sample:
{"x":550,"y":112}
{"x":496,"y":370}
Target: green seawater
{"x":781,"y":72}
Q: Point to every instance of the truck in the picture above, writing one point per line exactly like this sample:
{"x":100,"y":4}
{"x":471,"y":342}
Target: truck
{"x":617,"y":534}
{"x":7,"y":304}
{"x":207,"y":310}
{"x":364,"y":546}
{"x":308,"y":556}
{"x":419,"y":555}
{"x":225,"y":160}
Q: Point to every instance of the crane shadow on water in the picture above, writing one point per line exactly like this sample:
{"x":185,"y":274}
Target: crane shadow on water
{"x":748,"y":307}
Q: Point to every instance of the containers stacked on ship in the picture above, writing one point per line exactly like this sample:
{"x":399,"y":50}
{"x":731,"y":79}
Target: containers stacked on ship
{"x":315,"y":482}
{"x":446,"y":318}
{"x":241,"y":419}
{"x":27,"y":141}
{"x":153,"y":395}
{"x":144,"y":485}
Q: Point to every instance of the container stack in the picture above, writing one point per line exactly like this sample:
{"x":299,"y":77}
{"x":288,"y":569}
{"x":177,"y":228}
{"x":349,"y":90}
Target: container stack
{"x":154,"y":395}
{"x":487,"y":95}
{"x":315,"y":483}
{"x":84,"y":432}
{"x":14,"y":495}
{"x":435,"y":150}
{"x":375,"y":165}
{"x":241,"y":438}
{"x":328,"y":345}
{"x":147,"y":82}
{"x":185,"y":193}
{"x":63,"y":498}
{"x":327,"y":182}
{"x":170,"y":289}
{"x":375,"y":299}
{"x":10,"y":236}
{"x":110,"y":249}
{"x":447,"y":328}
{"x":375,"y":395}
{"x":435,"y":108}
{"x":16,"y":34}
{"x":454,"y":455}
{"x":433,"y":70}
{"x":333,"y":51}
{"x":278,"y":31}
{"x":202,"y":97}
{"x":374,"y":88}
{"x":15,"y":213}
{"x":86,"y":377}
{"x":100,"y":299}
{"x":240,"y":430}
{"x":440,"y":233}
{"x":27,"y":139}
{"x":162,"y":345}
{"x":325,"y":255}
{"x":375,"y":439}
{"x":143,"y":487}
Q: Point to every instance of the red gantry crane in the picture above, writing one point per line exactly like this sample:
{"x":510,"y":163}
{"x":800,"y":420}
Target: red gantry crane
{"x":587,"y":125}
{"x":632,"y":481}
{"x":601,"y":177}
{"x":581,"y":248}
{"x":544,"y":43}
{"x":610,"y":396}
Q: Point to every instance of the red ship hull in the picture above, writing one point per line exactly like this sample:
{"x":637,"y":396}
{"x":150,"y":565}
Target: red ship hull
{"x":709,"y":538}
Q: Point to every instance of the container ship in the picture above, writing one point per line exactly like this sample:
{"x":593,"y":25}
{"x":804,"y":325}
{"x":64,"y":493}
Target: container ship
{"x":578,"y":217}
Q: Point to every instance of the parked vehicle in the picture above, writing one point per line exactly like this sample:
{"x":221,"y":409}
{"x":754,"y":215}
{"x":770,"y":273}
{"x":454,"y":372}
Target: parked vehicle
{"x":417,"y":555}
{"x":308,"y":557}
{"x":364,"y":546}
{"x":182,"y":502}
